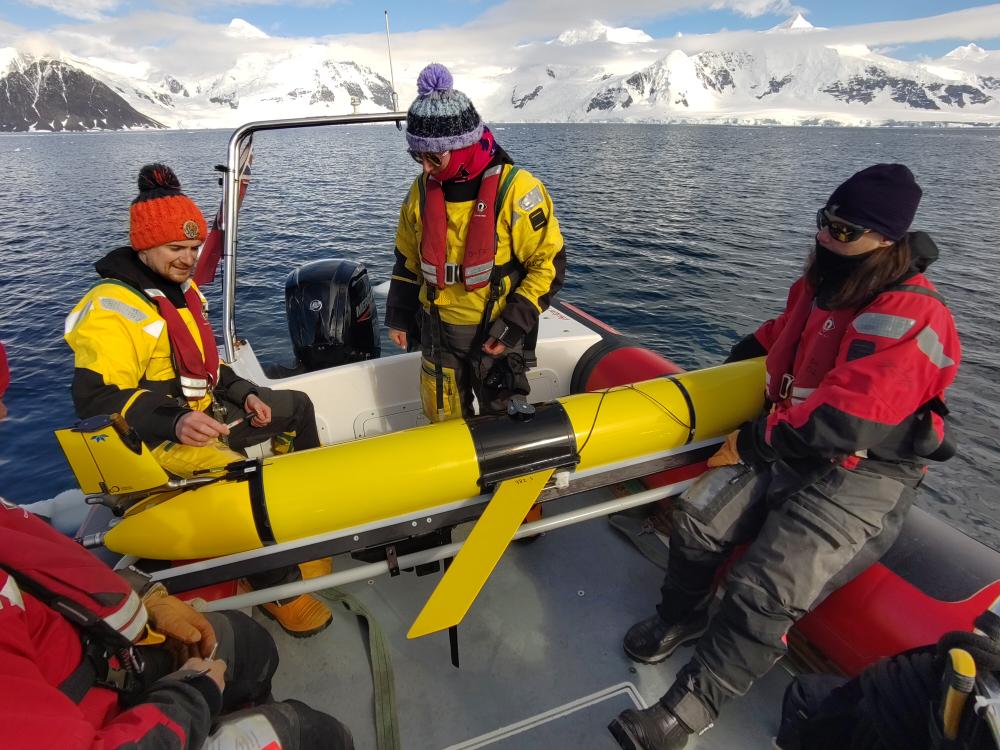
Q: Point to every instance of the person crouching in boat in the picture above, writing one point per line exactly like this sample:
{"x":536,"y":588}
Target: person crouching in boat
{"x":146,"y":671}
{"x":479,"y":256}
{"x":818,"y":485}
{"x":144,"y":349}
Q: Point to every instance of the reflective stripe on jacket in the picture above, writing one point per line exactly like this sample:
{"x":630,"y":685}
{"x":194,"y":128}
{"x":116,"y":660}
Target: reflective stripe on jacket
{"x":123,"y":362}
{"x":119,"y":335}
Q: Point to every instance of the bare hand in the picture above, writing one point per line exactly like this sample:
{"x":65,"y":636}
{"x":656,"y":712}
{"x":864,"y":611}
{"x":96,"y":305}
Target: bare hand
{"x":3,"y":410}
{"x":493,"y":347}
{"x":261,"y":412}
{"x":198,"y":429}
{"x":398,"y":337}
{"x":214,"y":668}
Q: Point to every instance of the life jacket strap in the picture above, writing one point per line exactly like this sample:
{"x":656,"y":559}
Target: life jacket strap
{"x":197,"y":371}
{"x":437,"y":341}
{"x":109,"y":658}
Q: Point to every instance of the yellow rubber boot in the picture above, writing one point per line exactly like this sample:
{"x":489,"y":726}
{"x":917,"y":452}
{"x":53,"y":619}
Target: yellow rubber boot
{"x":304,"y":615}
{"x":316,"y":568}
{"x":301,"y":617}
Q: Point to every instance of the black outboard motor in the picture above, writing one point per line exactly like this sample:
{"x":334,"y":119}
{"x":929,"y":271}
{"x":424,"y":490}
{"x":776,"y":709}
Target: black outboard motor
{"x":331,"y":314}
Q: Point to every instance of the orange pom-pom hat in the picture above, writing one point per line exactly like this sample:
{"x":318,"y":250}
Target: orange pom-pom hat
{"x":161,"y":213}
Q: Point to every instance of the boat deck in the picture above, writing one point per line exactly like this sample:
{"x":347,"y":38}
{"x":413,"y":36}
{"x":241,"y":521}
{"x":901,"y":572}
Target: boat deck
{"x":541,"y":658}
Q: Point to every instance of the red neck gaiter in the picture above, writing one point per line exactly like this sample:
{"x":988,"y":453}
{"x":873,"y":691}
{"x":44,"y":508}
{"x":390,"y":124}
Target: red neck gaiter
{"x":469,"y":162}
{"x":480,"y":242}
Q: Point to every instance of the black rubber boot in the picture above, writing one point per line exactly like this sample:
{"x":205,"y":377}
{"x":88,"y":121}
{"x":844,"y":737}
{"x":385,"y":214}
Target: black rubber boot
{"x":653,"y":728}
{"x":653,"y":640}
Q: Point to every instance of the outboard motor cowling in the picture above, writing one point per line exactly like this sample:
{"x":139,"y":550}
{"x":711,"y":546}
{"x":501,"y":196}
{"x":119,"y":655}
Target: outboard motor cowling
{"x":331,"y":314}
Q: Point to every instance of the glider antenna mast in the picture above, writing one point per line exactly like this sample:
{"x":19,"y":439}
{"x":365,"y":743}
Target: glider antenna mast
{"x":392,"y":77}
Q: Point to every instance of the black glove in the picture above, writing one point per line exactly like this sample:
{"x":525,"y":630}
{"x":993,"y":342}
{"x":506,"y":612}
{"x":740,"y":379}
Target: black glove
{"x":753,"y":448}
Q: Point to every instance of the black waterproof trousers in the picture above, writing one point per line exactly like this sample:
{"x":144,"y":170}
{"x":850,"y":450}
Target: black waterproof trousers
{"x":291,"y":411}
{"x":468,"y":372}
{"x":804,"y":542}
{"x":250,"y":718}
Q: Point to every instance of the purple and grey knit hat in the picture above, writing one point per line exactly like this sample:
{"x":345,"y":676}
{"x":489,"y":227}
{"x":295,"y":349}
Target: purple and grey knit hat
{"x":441,"y":118}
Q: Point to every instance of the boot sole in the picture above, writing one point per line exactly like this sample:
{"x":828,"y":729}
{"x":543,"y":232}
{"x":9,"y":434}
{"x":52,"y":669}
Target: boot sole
{"x":300,"y":633}
{"x":693,"y":638}
{"x":623,"y":737}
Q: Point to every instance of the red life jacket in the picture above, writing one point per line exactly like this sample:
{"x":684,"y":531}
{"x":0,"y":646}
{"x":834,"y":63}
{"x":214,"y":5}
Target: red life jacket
{"x":787,"y":381}
{"x":198,"y":372}
{"x":809,"y":346}
{"x":36,"y":556}
{"x":31,"y":546}
{"x":480,"y":243}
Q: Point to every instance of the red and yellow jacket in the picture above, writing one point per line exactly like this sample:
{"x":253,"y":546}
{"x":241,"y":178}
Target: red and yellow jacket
{"x":123,"y":359}
{"x":527,"y":233}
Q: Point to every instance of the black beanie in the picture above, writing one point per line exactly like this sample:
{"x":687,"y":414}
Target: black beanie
{"x":883,"y":198}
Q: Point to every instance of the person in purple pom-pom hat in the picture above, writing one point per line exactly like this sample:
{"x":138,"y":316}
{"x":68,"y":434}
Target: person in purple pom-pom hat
{"x":479,"y":256}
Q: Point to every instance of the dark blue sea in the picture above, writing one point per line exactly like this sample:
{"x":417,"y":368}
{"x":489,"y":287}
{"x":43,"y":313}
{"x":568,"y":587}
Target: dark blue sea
{"x":685,"y":237}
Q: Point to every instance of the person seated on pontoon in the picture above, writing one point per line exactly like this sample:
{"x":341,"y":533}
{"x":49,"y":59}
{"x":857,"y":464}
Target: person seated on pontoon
{"x":144,"y":349}
{"x":149,"y":671}
{"x":817,"y":485}
{"x":479,"y":256}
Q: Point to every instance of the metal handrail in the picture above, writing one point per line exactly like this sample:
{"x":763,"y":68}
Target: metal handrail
{"x":363,"y":572}
{"x":230,"y":192}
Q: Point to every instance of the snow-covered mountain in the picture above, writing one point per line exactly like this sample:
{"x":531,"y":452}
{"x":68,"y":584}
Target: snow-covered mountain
{"x":599,"y":32}
{"x":53,"y":95}
{"x":300,"y":80}
{"x":763,"y":82}
{"x":787,"y":75}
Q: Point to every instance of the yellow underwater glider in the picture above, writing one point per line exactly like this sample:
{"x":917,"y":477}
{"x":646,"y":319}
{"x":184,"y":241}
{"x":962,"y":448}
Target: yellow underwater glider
{"x":408,"y":474}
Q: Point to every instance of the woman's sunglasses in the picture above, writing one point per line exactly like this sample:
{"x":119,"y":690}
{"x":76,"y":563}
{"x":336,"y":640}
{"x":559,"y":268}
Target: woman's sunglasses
{"x":420,"y":156}
{"x":842,"y":231}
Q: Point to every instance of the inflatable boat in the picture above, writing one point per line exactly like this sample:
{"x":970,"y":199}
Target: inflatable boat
{"x":614,"y":426}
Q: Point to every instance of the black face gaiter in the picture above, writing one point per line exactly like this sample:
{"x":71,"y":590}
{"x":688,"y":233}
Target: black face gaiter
{"x":834,"y":270}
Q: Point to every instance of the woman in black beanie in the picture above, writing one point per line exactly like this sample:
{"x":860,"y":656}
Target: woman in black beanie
{"x":818,"y":485}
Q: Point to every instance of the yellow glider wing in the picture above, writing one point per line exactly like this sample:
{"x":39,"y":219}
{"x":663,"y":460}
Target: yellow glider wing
{"x":481,"y":552}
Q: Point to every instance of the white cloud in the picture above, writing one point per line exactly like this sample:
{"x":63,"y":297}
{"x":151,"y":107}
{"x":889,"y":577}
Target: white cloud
{"x":192,"y":6}
{"x":9,"y":33}
{"x":973,"y":23}
{"x":300,"y":3}
{"x":504,"y":36}
{"x":85,"y":10}
{"x":517,"y":16}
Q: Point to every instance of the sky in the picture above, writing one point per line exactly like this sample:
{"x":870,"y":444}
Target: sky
{"x":478,"y":36}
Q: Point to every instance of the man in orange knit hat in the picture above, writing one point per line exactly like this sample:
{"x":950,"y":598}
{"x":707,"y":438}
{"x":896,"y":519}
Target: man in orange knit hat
{"x":144,"y":348}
